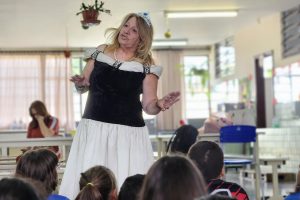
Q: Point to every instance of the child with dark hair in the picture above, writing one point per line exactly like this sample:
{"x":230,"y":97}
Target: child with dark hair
{"x":131,"y":187}
{"x":174,"y":178}
{"x":16,"y":189}
{"x":97,"y":183}
{"x":183,"y":138}
{"x":40,"y":165}
{"x":209,"y":158}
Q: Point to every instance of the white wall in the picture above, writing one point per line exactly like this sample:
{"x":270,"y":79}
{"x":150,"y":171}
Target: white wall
{"x":262,"y":37}
{"x":256,"y":39}
{"x":281,"y":143}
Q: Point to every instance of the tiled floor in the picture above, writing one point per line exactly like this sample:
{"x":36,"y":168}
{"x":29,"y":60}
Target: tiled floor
{"x":266,"y":187}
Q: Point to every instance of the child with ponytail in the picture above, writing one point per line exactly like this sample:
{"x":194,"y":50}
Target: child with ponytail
{"x":97,"y":183}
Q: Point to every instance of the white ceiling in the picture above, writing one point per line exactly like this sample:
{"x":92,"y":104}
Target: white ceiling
{"x":53,"y":23}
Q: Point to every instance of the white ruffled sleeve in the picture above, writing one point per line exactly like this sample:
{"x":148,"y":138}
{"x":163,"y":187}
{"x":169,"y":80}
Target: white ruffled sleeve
{"x":88,"y":53}
{"x":156,"y":70}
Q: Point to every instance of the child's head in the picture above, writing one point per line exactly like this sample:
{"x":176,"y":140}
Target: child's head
{"x":184,"y":138}
{"x":39,"y":108}
{"x":16,"y":189}
{"x":208,"y":157}
{"x":173,"y":177}
{"x":131,"y":187}
{"x":97,"y":183}
{"x":40,"y":165}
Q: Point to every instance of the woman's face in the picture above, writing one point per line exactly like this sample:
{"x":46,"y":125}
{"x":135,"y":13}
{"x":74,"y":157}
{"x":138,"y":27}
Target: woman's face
{"x":129,"y":35}
{"x":33,"y":112}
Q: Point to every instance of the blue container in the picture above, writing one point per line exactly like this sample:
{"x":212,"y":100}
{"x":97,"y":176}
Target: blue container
{"x":238,"y":134}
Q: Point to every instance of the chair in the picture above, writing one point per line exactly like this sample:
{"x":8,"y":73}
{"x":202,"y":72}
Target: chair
{"x":222,"y":191}
{"x":243,"y":134}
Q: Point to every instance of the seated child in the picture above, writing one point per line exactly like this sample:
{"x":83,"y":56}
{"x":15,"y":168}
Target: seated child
{"x":209,"y":158}
{"x":98,"y":183}
{"x":131,"y":187}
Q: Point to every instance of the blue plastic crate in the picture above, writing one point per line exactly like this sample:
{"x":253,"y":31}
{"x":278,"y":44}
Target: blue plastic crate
{"x":238,"y":134}
{"x":237,"y":161}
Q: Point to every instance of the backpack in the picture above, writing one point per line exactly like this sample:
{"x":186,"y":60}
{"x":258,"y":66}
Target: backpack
{"x":182,"y":139}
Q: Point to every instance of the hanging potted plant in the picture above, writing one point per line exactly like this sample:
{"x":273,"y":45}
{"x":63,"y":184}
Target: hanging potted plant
{"x":90,"y":13}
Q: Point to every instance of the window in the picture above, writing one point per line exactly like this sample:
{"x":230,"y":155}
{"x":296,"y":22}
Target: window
{"x":268,"y":66}
{"x":225,"y":58}
{"x":282,"y":85}
{"x":79,"y":100}
{"x":295,"y":81}
{"x":196,"y":86}
{"x":29,"y":76}
{"x":286,"y":83}
{"x":224,"y":93}
{"x":19,"y":86}
{"x":290,"y":31}
{"x":286,"y":91}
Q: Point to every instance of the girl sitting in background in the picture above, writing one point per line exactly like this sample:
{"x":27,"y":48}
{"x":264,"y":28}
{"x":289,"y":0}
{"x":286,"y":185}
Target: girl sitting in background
{"x":42,"y":125}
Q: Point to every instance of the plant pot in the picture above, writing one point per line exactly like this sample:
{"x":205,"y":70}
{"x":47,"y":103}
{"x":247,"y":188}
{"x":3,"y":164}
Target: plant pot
{"x":90,"y":17}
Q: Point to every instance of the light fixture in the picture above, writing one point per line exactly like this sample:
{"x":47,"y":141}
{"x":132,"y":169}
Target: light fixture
{"x":201,"y":13}
{"x":169,"y":42}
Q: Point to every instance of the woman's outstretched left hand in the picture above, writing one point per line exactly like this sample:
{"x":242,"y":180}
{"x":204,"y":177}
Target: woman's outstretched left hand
{"x":167,"y":101}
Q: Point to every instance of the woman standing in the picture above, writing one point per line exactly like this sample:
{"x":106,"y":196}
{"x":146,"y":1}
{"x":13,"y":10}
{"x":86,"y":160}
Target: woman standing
{"x":112,"y":131}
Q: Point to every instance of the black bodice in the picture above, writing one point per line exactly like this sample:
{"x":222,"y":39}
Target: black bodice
{"x":114,"y":96}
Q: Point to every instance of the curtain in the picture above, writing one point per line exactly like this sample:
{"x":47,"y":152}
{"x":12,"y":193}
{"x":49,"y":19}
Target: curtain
{"x":26,"y":77}
{"x":171,"y":80}
{"x":58,"y":89}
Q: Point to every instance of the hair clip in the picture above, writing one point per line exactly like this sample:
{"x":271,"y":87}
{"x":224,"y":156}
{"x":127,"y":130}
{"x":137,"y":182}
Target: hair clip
{"x":91,"y":184}
{"x":145,"y":16}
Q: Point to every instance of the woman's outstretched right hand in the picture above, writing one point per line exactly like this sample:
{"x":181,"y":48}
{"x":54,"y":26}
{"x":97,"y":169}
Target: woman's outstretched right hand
{"x":79,"y":80}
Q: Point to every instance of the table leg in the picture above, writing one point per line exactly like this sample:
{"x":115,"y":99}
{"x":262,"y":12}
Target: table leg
{"x":276,"y":194}
{"x":4,"y":151}
{"x":159,"y":148}
{"x":163,"y":148}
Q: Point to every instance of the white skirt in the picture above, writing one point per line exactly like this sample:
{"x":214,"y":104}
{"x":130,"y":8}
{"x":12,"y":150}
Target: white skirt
{"x":124,"y":149}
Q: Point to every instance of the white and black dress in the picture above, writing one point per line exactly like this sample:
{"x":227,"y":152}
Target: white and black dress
{"x":112,"y":131}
